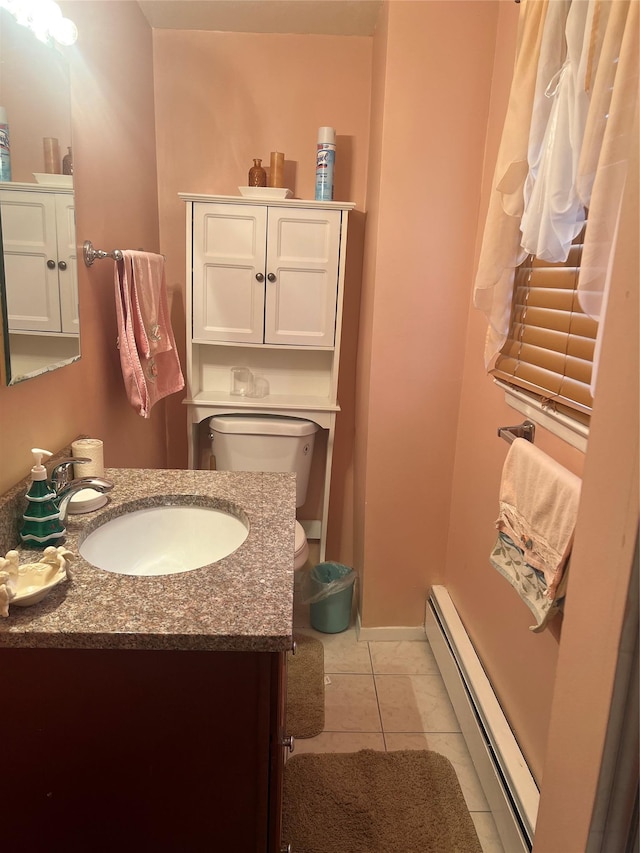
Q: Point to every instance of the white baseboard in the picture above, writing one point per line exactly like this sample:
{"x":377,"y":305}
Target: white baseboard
{"x":507,"y":782}
{"x":388,"y":634}
{"x":312,"y":529}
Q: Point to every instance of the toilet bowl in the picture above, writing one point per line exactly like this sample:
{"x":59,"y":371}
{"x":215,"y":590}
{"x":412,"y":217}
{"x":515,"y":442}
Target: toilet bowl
{"x":267,"y":443}
{"x":301,"y":553}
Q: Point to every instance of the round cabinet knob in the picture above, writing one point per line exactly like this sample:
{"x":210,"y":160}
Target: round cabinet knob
{"x":271,"y":276}
{"x":51,"y":264}
{"x":259,"y":276}
{"x":62,"y":265}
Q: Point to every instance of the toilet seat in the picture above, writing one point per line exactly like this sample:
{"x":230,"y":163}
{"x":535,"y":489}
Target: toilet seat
{"x":301,"y":547}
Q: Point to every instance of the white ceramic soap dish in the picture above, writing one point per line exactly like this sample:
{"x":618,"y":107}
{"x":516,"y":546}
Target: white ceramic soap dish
{"x":265,"y":192}
{"x":86,"y":500}
{"x":28,"y":584}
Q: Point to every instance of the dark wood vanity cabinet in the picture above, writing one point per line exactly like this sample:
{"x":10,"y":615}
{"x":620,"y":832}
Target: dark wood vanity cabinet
{"x":129,"y":751}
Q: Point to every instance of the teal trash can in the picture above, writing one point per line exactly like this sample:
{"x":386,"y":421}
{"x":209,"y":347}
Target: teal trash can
{"x":332,"y":594}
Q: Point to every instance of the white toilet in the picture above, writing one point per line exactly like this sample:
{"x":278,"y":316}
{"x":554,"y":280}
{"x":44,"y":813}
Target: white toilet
{"x":267,"y":443}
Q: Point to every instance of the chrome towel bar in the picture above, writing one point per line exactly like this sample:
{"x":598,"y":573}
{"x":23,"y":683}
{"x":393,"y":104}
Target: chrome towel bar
{"x":524,"y":430}
{"x":90,"y":254}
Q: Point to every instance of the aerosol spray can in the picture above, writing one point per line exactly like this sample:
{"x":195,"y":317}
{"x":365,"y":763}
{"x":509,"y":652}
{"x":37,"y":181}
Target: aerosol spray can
{"x":325,"y":160}
{"x":5,"y":148}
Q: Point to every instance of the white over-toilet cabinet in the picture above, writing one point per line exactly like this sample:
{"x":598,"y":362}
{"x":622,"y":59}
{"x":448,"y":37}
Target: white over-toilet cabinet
{"x":265,"y":282}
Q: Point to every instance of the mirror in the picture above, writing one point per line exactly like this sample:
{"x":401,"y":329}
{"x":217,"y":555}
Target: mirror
{"x":38,"y":262}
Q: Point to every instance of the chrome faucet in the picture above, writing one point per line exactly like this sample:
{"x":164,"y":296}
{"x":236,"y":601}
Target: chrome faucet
{"x":59,"y":476}
{"x":68,"y":490}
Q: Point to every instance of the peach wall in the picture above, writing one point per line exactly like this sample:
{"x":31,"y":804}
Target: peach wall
{"x":34,"y":90}
{"x":363,"y":363}
{"x":602,"y":562}
{"x":115,"y":176}
{"x":520,"y":664}
{"x":223,"y":99}
{"x":496,"y":619}
{"x":419,"y":259}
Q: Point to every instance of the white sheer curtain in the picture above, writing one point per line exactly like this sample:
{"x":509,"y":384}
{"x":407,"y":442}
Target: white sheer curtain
{"x":612,"y":128}
{"x":553,"y":52}
{"x":553,"y":213}
{"x":501,"y":251}
{"x":565,"y":146}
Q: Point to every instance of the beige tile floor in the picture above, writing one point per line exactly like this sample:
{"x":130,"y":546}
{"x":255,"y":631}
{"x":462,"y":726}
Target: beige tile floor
{"x":389,"y":696}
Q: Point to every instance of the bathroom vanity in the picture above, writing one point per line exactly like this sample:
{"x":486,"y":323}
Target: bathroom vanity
{"x":265,"y":288}
{"x":148,"y":713}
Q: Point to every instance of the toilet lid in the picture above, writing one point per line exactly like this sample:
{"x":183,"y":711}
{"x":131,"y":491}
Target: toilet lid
{"x":301,"y":538}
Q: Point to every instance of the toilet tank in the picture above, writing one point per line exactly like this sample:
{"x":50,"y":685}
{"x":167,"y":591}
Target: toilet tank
{"x":264,"y":443}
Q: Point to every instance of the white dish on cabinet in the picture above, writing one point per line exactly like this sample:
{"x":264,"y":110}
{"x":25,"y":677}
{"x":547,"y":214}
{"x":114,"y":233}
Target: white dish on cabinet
{"x":58,"y":181}
{"x":265,"y":192}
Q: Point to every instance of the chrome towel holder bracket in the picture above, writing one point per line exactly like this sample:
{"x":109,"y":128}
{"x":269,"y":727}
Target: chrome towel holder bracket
{"x":527,"y":430}
{"x":90,"y":254}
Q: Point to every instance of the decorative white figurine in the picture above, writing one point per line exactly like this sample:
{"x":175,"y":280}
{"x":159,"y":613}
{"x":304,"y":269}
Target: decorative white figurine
{"x":28,"y":584}
{"x":59,"y":557}
{"x":6,"y":593}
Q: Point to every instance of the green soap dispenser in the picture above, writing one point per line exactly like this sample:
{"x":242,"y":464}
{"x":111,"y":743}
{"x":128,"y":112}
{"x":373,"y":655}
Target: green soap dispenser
{"x":41,"y":524}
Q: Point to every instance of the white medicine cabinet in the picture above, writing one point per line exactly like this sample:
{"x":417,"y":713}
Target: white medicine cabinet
{"x":265,"y":284}
{"x":40,"y":257}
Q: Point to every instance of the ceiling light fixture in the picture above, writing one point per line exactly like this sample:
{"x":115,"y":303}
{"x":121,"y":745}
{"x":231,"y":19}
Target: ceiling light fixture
{"x":44,"y":18}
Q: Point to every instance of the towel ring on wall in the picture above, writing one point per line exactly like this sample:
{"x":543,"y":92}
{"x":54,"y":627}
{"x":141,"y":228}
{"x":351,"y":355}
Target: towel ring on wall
{"x":524,"y":430}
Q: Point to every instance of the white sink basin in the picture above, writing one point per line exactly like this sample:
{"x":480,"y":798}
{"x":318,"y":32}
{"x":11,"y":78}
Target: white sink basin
{"x":164,"y":540}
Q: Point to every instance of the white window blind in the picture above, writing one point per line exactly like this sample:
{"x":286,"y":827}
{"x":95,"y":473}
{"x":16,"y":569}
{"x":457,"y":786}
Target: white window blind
{"x":551,"y":341}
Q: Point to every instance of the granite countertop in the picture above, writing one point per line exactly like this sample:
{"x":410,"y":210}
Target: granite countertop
{"x":243,"y":602}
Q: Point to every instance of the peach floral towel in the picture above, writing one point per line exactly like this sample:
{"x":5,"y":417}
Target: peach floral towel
{"x":148,"y":358}
{"x":538,"y":509}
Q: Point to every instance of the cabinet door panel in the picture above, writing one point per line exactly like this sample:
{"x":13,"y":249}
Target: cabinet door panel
{"x":301,"y":307}
{"x":68,"y":252}
{"x":29,"y":237}
{"x":228,"y":253}
{"x":139,"y":789}
{"x":278,"y":753}
{"x":230,"y":304}
{"x":302,"y":253}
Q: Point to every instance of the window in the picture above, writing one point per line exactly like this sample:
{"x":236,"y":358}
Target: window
{"x":550,"y":346}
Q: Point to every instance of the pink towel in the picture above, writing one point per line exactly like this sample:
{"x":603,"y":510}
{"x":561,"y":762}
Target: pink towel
{"x":152,"y":329}
{"x":148,"y":357}
{"x":538,"y":509}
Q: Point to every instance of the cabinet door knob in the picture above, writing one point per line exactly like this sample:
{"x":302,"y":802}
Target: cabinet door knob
{"x":259,"y":276}
{"x":288,"y":742}
{"x":62,"y":265}
{"x":51,"y":264}
{"x":271,"y":276}
{"x":286,"y":849}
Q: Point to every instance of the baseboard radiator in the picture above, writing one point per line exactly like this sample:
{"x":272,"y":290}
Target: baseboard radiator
{"x":507,"y":782}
